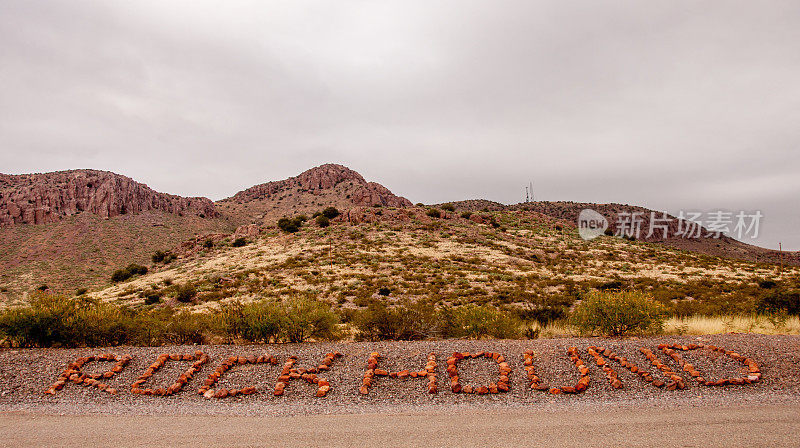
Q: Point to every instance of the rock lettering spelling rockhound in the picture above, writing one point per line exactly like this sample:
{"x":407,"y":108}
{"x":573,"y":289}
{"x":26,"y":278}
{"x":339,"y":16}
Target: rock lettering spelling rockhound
{"x":602,"y":356}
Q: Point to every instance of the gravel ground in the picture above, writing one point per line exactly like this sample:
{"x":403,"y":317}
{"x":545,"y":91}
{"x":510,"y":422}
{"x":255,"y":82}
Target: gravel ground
{"x":26,"y":374}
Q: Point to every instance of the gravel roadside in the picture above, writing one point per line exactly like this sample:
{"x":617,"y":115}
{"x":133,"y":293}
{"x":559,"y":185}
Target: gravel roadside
{"x":26,"y":374}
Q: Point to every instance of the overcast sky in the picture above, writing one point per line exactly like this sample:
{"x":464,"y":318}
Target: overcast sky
{"x":667,"y":104}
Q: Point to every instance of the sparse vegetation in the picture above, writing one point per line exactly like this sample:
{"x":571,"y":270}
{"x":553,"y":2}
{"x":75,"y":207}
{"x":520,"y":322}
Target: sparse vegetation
{"x":120,"y":275}
{"x":164,"y":257}
{"x":239,"y":242}
{"x":618,"y":314}
{"x":185,"y":293}
{"x":291,"y":225}
{"x":323,"y":221}
{"x":434,"y":213}
{"x":330,"y":212}
{"x":448,"y":207}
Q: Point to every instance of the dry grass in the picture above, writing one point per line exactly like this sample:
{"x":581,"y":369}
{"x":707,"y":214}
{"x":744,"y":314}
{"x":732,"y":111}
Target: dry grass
{"x":697,"y":325}
{"x":738,"y":324}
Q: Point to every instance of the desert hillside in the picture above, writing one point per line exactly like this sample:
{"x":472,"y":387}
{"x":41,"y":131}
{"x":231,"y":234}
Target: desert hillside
{"x":69,"y":231}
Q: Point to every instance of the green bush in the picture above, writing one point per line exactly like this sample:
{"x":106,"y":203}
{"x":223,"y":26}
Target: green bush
{"x":618,"y":314}
{"x":239,"y":242}
{"x":120,"y":275}
{"x":781,"y":301}
{"x":185,"y":293}
{"x":434,"y":213}
{"x":406,"y":322}
{"x":466,"y":215}
{"x":152,"y":298}
{"x":323,"y":221}
{"x":295,"y":320}
{"x":330,"y":212}
{"x":52,"y":320}
{"x":290,"y":225}
{"x":161,"y":256}
{"x":308,"y":318}
{"x":476,"y":322}
{"x":208,"y":244}
{"x":448,"y":207}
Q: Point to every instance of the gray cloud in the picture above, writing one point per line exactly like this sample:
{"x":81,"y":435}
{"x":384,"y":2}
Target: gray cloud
{"x":671,"y":105}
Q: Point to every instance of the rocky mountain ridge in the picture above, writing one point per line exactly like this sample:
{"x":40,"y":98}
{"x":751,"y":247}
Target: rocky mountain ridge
{"x":49,"y":197}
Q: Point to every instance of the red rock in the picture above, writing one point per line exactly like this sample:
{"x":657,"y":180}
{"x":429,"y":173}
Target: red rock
{"x":555,"y":391}
{"x":467,"y":389}
{"x":323,"y":390}
{"x":363,"y":390}
{"x":568,"y":390}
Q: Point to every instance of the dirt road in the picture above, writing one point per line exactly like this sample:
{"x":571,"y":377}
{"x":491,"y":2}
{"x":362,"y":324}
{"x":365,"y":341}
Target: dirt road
{"x":687,"y":426}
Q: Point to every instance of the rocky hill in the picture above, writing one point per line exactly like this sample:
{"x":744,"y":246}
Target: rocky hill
{"x":704,"y":241}
{"x":322,"y":186}
{"x":50,"y":197}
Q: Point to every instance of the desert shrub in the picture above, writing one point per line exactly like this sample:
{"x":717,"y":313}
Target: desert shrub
{"x":290,"y":225}
{"x":323,"y":221}
{"x":448,"y":207}
{"x":239,"y":242}
{"x":255,"y":322}
{"x":611,"y":285}
{"x":51,"y":320}
{"x":42,"y":288}
{"x":296,"y":320}
{"x":186,"y":327}
{"x":152,"y":298}
{"x":405,"y":322}
{"x":767,"y":284}
{"x":434,"y":213}
{"x":185,"y":293}
{"x":161,"y":256}
{"x":466,"y":215}
{"x":476,"y":322}
{"x":618,"y":313}
{"x":420,"y":204}
{"x":81,"y":291}
{"x":208,"y":244}
{"x":781,"y":301}
{"x":330,"y":212}
{"x":308,"y":318}
{"x":543,"y":314}
{"x":120,"y":275}
{"x":384,"y":291}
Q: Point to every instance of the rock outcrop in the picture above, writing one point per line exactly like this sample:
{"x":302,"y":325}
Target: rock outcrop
{"x":326,"y":177}
{"x":49,"y":197}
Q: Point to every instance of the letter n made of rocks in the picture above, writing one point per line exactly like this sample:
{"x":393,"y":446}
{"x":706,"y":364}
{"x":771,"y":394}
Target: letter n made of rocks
{"x":603,"y":356}
{"x":429,"y":373}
